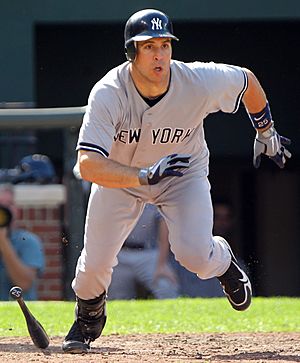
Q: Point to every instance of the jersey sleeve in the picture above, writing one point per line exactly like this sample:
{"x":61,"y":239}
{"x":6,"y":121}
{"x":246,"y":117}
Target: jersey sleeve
{"x":226,"y":85}
{"x":97,"y":130}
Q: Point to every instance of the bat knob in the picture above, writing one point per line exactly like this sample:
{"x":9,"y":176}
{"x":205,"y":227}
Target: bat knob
{"x":16,"y":292}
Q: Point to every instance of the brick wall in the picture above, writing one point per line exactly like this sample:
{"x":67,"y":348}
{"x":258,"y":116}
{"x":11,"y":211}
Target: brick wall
{"x":40,"y":213}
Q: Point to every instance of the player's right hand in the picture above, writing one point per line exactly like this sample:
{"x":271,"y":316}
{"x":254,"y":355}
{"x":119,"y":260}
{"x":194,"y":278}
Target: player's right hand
{"x":163,"y":168}
{"x":271,"y":144}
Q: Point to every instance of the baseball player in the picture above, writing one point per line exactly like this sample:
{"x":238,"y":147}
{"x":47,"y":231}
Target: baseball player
{"x":142,"y":141}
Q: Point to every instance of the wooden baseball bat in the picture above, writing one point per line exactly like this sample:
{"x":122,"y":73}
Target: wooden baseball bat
{"x":36,"y":331}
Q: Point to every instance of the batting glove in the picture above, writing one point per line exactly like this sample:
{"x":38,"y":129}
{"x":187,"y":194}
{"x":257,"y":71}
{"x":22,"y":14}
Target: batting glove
{"x":164,"y":168}
{"x":270,"y":143}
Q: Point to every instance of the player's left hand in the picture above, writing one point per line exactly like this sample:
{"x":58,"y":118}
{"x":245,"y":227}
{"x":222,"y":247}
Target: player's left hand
{"x":165,"y":167}
{"x":270,"y":143}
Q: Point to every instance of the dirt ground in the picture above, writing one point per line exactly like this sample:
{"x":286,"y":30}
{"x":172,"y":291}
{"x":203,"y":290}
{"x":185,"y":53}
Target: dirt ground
{"x":232,"y":348}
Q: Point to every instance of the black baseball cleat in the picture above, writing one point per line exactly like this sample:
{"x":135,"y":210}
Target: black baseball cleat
{"x":236,"y":284}
{"x":75,"y":342}
{"x":88,"y":325}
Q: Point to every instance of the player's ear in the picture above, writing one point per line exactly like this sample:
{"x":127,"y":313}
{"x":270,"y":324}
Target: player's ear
{"x":136,"y":47}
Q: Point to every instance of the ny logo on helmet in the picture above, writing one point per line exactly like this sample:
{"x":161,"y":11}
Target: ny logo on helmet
{"x":156,"y":24}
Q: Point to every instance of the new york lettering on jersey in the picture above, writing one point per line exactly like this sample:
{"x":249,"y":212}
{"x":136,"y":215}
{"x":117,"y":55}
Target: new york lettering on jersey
{"x":159,"y":136}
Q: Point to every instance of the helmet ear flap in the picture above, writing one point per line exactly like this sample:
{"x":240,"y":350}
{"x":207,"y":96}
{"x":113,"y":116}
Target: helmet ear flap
{"x":130,"y":51}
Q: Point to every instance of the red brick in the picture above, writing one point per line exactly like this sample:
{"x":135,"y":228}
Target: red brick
{"x":43,"y":228}
{"x":41,"y":213}
{"x":46,"y":223}
{"x":56,"y":287}
{"x":55,"y":213}
{"x":52,"y":275}
{"x":20,"y":214}
{"x":31,"y":213}
{"x":54,"y":262}
{"x":52,"y":251}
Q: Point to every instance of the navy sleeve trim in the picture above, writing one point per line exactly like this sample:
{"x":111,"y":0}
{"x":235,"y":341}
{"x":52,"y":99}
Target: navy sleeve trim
{"x":240,"y":96}
{"x":91,"y":147}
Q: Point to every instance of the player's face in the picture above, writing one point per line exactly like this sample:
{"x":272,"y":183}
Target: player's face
{"x":153,"y":59}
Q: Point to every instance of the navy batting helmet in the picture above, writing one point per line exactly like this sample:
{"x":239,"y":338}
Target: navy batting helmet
{"x":143,"y":25}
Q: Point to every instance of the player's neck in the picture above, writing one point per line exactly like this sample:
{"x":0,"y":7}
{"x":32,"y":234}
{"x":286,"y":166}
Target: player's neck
{"x":148,"y":88}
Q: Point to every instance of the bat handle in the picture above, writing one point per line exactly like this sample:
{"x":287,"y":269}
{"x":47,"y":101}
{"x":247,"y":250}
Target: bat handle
{"x":22,"y":305}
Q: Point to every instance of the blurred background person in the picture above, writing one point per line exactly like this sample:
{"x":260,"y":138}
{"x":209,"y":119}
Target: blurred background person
{"x":224,"y":220}
{"x":190,"y":284}
{"x":21,"y":252}
{"x":144,"y":268}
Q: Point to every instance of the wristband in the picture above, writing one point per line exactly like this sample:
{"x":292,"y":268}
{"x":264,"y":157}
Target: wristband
{"x":262,"y":119}
{"x":143,"y":177}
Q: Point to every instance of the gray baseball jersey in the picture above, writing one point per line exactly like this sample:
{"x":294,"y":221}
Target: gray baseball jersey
{"x":120,"y":125}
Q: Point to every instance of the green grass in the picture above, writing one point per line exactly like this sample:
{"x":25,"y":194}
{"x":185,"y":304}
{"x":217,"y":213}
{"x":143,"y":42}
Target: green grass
{"x":167,"y":316}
